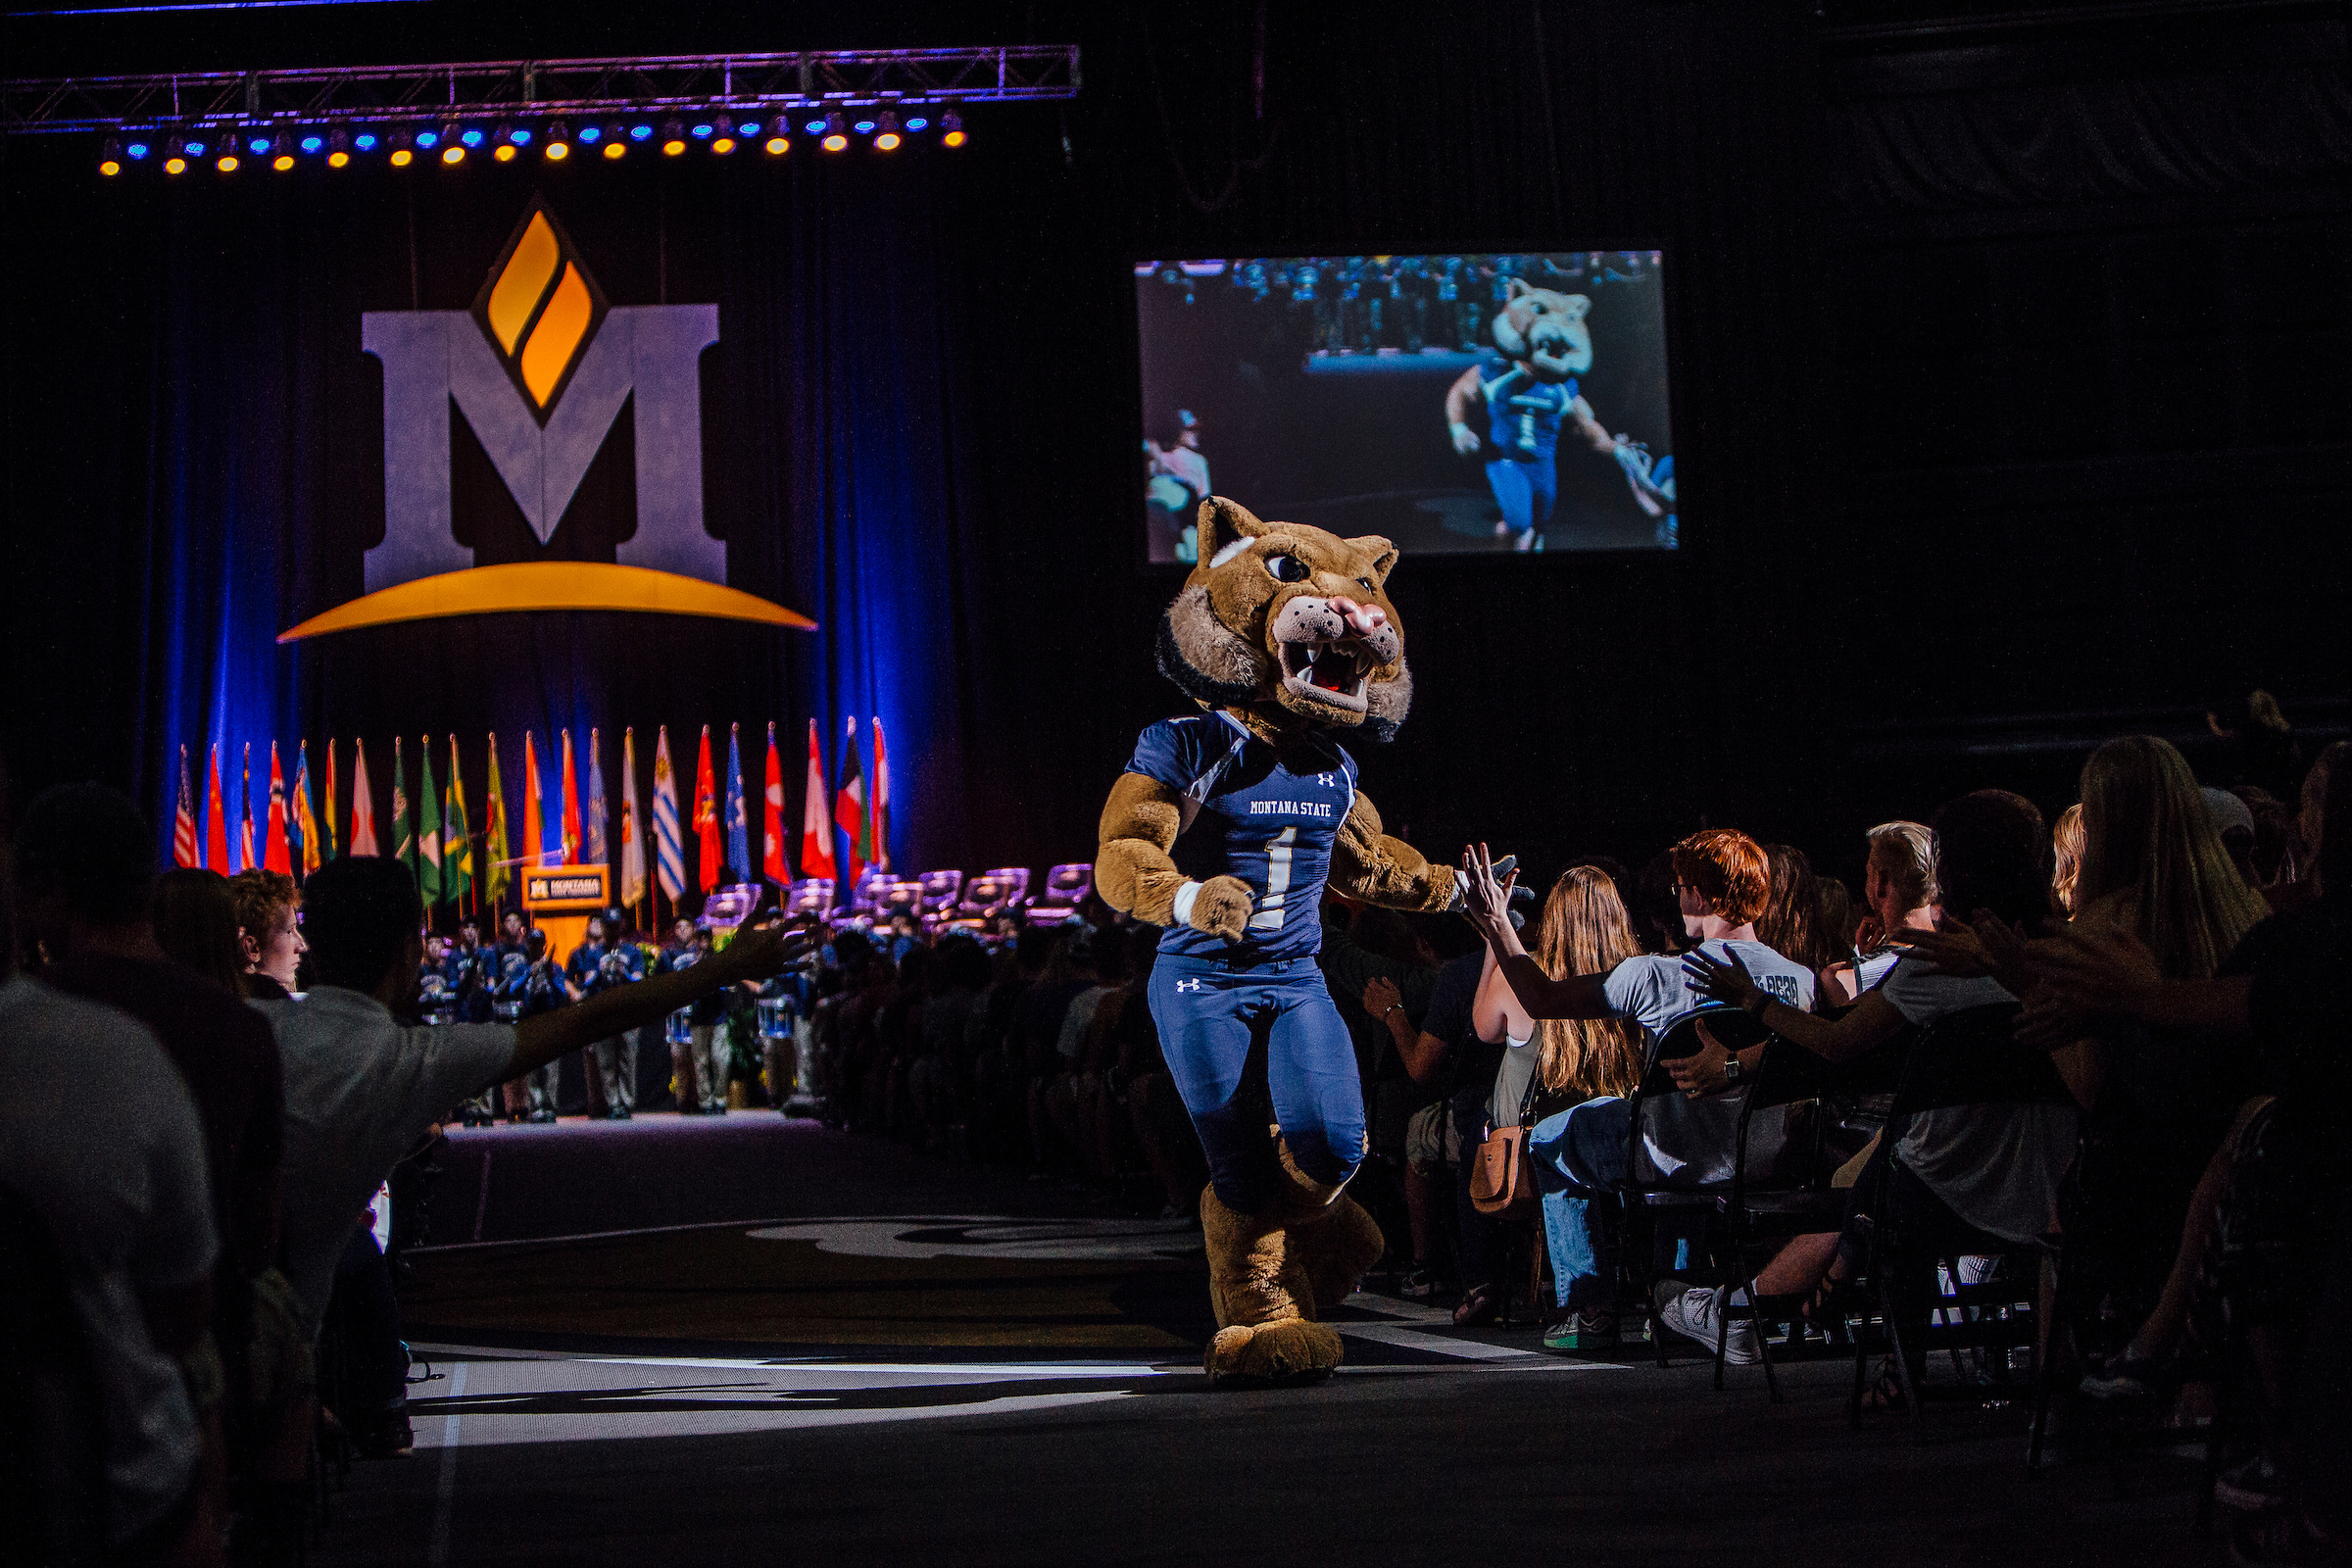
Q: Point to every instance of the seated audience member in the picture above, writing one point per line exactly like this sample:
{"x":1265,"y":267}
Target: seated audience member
{"x":119,"y":1185}
{"x":2256,"y":1245}
{"x":86,"y":868}
{"x":1955,"y":1173}
{"x":1580,"y":1154}
{"x":362,"y":1087}
{"x":2261,"y":747}
{"x":2310,"y":830}
{"x":1791,"y":925}
{"x":268,"y":932}
{"x":2273,"y":851}
{"x":1898,"y":884}
{"x":2066,"y":862}
{"x":1837,"y":911}
{"x":2234,"y":822}
{"x":937,"y":1078}
{"x":194,"y":917}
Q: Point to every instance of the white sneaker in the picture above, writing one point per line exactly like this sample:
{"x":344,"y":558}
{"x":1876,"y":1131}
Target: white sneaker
{"x":1696,"y":1315}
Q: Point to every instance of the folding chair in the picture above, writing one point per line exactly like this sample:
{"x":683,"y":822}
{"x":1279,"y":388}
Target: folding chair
{"x":1759,"y":1216}
{"x":1969,"y":1058}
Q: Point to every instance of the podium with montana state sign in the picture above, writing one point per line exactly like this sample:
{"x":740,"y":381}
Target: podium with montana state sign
{"x":560,"y":898}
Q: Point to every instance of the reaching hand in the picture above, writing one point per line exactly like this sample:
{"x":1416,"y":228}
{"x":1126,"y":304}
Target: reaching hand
{"x":1485,"y":885}
{"x":1726,"y":982}
{"x":758,"y":954}
{"x":2095,"y":968}
{"x":1379,"y":995}
{"x":1952,"y":949}
{"x":2047,"y":1024}
{"x":1465,"y":439}
{"x":1702,"y":1072}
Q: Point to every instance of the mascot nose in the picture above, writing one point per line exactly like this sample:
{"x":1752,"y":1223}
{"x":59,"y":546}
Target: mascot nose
{"x":1363,"y":620}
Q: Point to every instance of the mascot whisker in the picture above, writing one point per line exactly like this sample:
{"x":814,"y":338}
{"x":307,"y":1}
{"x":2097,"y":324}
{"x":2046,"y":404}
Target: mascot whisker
{"x":1284,"y":635}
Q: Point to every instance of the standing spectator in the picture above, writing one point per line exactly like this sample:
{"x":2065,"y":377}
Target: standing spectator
{"x":596,"y":965}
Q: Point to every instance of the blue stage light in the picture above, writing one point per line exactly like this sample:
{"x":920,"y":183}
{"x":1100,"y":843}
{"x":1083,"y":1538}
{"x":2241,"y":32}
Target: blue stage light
{"x":814,"y":128}
{"x":193,"y":147}
{"x":864,"y":127}
{"x":137,"y":149}
{"x":592,"y":134}
{"x":747,"y":129}
{"x":919,"y":122}
{"x":313,"y":142}
{"x":701,"y":129}
{"x":471,"y":136}
{"x":429,"y":139}
{"x":640,"y":132}
{"x":256,"y":145}
{"x":521,"y":136}
{"x":365,"y":141}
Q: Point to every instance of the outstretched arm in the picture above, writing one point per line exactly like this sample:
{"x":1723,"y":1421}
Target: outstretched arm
{"x":1488,"y":901}
{"x":1367,"y":863}
{"x":1463,"y":400}
{"x":1134,"y":873}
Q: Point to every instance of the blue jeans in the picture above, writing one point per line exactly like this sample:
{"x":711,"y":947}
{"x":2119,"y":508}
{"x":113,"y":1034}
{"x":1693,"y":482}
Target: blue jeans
{"x":1210,"y":1014}
{"x":1578,"y":1155}
{"x":1524,"y":488}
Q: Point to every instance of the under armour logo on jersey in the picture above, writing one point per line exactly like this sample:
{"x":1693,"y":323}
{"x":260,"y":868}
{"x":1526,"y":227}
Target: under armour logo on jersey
{"x":1191,"y":984}
{"x":1327,"y":781}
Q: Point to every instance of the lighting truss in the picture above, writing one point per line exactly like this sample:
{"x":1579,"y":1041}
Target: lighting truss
{"x":394,"y":95}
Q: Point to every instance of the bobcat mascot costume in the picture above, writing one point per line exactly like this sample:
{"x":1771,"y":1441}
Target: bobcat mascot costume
{"x":1285,"y":634}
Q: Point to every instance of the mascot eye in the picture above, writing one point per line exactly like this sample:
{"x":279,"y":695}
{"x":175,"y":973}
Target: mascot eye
{"x":1365,"y":583}
{"x":1287,"y":568}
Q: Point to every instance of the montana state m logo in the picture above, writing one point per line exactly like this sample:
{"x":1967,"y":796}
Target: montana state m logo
{"x":540,"y":368}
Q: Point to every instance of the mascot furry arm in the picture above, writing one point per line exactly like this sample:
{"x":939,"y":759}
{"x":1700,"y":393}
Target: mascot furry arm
{"x":1286,"y":636}
{"x":1284,"y":655}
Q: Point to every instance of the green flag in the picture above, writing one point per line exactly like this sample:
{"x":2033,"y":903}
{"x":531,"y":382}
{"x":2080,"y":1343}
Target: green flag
{"x":428,"y":831}
{"x":403,"y":836}
{"x":494,"y":835}
{"x":456,"y":847}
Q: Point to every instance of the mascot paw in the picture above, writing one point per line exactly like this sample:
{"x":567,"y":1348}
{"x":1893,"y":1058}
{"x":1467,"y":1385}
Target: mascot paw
{"x":1291,"y":1350}
{"x":1335,"y":1251}
{"x":1222,"y":907}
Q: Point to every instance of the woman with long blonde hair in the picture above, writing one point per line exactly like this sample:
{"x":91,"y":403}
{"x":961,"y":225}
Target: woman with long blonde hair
{"x":2153,"y":861}
{"x":2066,"y":860}
{"x":1585,"y":930}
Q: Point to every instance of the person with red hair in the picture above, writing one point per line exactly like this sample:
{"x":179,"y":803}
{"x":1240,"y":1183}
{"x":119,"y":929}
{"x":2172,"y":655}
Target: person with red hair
{"x":1722,"y":879}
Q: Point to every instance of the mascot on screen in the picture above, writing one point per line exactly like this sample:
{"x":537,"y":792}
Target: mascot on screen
{"x":1546,"y":345}
{"x":1283,"y":634}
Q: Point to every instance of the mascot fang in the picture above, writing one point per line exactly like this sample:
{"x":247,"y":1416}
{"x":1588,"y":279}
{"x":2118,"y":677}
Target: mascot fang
{"x":1542,"y":336}
{"x":1286,"y":636}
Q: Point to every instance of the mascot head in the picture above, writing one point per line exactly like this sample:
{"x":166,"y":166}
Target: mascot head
{"x":1289,"y":624}
{"x":1546,"y":331}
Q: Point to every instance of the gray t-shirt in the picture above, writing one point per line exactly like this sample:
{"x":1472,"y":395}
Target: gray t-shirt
{"x":361,"y":1089}
{"x":120,"y":1179}
{"x":1996,"y":1166}
{"x":1692,"y":1142}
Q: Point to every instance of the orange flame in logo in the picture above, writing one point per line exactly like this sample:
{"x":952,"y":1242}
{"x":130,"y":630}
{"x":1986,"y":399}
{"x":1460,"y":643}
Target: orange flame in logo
{"x":540,"y":308}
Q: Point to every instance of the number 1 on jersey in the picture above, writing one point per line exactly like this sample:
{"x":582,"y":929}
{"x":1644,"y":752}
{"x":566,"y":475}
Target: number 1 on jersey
{"x":1278,"y":881}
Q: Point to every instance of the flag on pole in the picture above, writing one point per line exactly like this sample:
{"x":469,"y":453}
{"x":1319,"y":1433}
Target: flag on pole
{"x":457,"y":841}
{"x":327,"y":848}
{"x":496,"y":873}
{"x":571,"y":807}
{"x":849,"y":811}
{"x":881,"y":810}
{"x":275,"y":854}
{"x":632,"y":830}
{"x":706,"y":815}
{"x":362,"y":804}
{"x":597,"y":854}
{"x":428,"y":828}
{"x":245,"y":856}
{"x":404,"y":834}
{"x":216,"y":817}
{"x":772,"y":818}
{"x":739,"y":844}
{"x":184,"y":844}
{"x":670,"y":854}
{"x":534,"y":806}
{"x":306,"y":822}
{"x":816,"y":834}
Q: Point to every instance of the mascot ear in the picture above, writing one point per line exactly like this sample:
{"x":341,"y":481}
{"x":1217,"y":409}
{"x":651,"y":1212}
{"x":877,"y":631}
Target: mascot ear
{"x":1383,"y":553}
{"x":1223,"y":524}
{"x":1518,"y":288}
{"x":1579,"y":306}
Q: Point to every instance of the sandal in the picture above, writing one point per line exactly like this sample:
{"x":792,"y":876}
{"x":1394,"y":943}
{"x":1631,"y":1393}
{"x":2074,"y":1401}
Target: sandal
{"x":1885,"y":1396}
{"x":1483,"y":1304}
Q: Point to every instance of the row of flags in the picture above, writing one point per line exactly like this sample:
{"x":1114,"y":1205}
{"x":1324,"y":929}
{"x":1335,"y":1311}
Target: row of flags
{"x":452,"y":858}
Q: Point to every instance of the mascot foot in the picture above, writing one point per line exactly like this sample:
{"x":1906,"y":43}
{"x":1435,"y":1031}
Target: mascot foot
{"x":1286,"y":1353}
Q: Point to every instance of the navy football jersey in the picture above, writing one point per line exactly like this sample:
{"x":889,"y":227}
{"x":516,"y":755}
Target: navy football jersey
{"x":1523,"y":413}
{"x":1249,"y":814}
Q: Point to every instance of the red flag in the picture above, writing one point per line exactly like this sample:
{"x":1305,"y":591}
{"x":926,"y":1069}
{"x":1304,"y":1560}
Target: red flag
{"x":706,"y":819}
{"x":277,"y":854}
{"x":216,"y":820}
{"x":245,"y":856}
{"x":184,"y":850}
{"x":878,"y":828}
{"x":571,"y":807}
{"x":534,"y":813}
{"x":849,"y":810}
{"x":816,"y":834}
{"x":771,"y":828}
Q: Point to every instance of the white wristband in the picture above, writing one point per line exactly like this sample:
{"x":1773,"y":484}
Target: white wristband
{"x":1185,"y":896}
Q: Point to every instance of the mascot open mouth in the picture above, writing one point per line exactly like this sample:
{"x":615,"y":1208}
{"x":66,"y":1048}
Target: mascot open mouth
{"x":1332,"y":672}
{"x":1329,"y":649}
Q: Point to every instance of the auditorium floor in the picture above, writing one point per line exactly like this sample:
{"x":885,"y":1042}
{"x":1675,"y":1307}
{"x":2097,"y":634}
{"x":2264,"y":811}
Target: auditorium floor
{"x":875,"y":1375}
